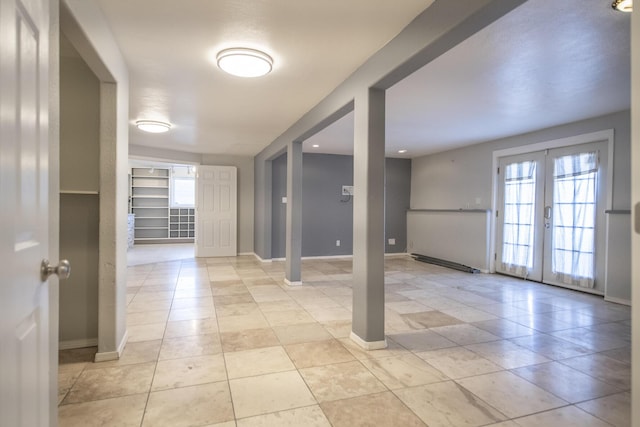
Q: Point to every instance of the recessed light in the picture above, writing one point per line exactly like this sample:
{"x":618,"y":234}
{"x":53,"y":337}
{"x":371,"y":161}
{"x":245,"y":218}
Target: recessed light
{"x":243,"y":62}
{"x":153,"y":126}
{"x":623,"y":5}
{"x":402,"y":151}
{"x":315,"y":146}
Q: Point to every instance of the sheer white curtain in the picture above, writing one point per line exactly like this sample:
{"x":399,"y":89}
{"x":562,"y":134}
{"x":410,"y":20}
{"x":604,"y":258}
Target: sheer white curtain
{"x":519,"y":213}
{"x":574,"y":218}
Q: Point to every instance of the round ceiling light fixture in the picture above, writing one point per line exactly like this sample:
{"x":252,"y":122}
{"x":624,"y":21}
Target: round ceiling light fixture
{"x":153,"y":126}
{"x":623,"y":5}
{"x":244,"y":62}
{"x":402,"y":151}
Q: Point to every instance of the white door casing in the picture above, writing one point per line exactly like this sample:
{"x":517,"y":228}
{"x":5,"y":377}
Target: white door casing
{"x":25,"y":378}
{"x":216,"y":211}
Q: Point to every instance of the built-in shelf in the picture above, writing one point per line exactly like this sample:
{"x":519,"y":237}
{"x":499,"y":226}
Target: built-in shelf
{"x":154,"y":218}
{"x":78,"y":192}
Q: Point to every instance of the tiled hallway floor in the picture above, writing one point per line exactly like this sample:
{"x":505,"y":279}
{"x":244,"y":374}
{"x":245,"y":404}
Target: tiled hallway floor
{"x":222,"y":342}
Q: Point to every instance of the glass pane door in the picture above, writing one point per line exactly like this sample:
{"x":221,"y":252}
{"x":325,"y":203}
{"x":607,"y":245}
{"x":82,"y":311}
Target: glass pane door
{"x":572,"y":215}
{"x":521,"y":196}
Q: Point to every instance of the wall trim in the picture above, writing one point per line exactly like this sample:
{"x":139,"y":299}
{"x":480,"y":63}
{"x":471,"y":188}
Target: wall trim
{"x":295,"y":283}
{"x":262,"y":260}
{"x":350,"y":256}
{"x":618,"y":300}
{"x":113,"y":355}
{"x":368,"y":345}
{"x":71,"y":344}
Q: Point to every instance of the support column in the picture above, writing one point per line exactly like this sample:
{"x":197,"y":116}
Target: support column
{"x":368,"y":220}
{"x":293,"y":267}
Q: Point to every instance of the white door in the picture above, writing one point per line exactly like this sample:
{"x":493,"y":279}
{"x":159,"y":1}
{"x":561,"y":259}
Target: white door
{"x":26,"y":347}
{"x":551,"y":216}
{"x":216,"y":211}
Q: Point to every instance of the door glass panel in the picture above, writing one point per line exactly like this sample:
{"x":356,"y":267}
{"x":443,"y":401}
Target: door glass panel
{"x":574,"y":218}
{"x":519,"y":215}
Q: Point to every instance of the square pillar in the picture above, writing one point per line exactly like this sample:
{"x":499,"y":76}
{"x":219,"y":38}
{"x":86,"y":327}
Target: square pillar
{"x":293,"y":266}
{"x":368,"y":219}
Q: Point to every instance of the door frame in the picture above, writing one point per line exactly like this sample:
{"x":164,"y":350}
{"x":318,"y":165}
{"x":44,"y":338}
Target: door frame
{"x":606,"y":135}
{"x":84,"y":26}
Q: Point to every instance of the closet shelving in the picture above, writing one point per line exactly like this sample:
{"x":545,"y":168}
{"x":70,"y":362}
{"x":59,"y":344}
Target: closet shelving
{"x":155,"y":219}
{"x":150,"y":202}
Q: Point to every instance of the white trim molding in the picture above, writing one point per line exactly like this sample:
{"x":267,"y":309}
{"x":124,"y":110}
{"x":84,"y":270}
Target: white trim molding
{"x":368,"y":345}
{"x":71,"y":344}
{"x":294,"y":283}
{"x":113,"y":355}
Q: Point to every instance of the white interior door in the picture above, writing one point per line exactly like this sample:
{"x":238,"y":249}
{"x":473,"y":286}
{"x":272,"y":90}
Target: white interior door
{"x":550,"y":225}
{"x":216,"y":211}
{"x":24,"y":167}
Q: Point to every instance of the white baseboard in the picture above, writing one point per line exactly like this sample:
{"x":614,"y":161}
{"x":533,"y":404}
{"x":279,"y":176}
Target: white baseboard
{"x":113,"y":355}
{"x":260,"y":259}
{"x":71,"y":344}
{"x":368,"y":345}
{"x":246,"y":254}
{"x":306,"y":258}
{"x":618,"y":300}
{"x":294,"y":283}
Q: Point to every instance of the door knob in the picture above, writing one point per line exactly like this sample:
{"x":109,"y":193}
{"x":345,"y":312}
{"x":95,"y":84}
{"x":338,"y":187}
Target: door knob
{"x":62,"y":270}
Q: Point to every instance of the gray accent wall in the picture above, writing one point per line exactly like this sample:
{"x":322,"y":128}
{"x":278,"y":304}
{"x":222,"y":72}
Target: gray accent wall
{"x":326,"y":215}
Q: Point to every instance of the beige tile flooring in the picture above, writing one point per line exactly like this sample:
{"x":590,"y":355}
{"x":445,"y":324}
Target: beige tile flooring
{"x":222,"y":342}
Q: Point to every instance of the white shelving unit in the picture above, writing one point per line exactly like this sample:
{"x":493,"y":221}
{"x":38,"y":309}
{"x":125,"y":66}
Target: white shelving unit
{"x":155,"y":220}
{"x":150,"y":203}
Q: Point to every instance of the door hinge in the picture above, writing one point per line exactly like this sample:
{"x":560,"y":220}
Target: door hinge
{"x":498,"y":172}
{"x":497,"y":213}
{"x":495,"y":257}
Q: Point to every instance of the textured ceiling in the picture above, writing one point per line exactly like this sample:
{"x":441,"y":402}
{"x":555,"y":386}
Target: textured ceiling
{"x":168,"y":45}
{"x":546,"y":63}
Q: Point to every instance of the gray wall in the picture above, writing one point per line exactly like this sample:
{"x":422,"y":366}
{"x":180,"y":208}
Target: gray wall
{"x":458,"y":178}
{"x":325,"y":218}
{"x":454,"y":179}
{"x":79,"y":213}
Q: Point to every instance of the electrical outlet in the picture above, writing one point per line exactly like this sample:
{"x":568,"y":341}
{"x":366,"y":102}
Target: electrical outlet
{"x":337,"y":242}
{"x":284,"y":200}
{"x":392,"y":242}
{"x":347,"y":190}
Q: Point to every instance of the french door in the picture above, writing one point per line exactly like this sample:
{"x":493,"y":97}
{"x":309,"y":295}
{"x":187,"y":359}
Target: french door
{"x":551,"y":214}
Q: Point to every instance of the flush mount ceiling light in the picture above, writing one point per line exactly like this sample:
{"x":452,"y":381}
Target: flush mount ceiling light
{"x":623,"y":5}
{"x":402,"y":151}
{"x":243,"y":62}
{"x":153,"y":126}
{"x":315,"y":146}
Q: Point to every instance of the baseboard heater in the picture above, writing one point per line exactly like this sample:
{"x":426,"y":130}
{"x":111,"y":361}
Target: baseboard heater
{"x":445,"y":263}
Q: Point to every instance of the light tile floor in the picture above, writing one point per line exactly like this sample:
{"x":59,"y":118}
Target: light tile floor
{"x":222,"y":342}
